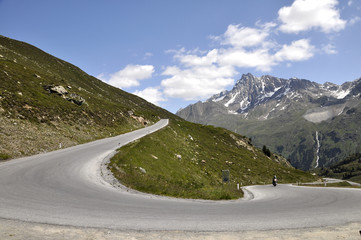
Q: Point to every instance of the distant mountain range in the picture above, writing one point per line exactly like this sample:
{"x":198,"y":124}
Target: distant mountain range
{"x":311,"y":124}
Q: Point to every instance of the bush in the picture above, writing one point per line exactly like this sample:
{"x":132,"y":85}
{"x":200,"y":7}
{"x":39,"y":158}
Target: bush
{"x":266,"y":151}
{"x":4,"y":156}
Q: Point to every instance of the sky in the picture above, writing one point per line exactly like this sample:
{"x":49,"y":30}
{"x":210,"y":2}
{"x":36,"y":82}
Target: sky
{"x":175,"y":53}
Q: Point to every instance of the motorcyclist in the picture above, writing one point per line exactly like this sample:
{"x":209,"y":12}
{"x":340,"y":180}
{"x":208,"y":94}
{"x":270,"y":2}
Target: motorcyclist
{"x":274,"y":181}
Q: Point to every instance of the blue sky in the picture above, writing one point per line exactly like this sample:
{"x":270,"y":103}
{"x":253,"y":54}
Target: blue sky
{"x":174,"y":53}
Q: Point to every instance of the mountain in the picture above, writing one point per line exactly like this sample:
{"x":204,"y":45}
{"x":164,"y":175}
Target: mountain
{"x":47,"y":104}
{"x":311,"y":124}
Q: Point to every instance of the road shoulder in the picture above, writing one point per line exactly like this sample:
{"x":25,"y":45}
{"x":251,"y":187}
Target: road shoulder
{"x":16,"y":230}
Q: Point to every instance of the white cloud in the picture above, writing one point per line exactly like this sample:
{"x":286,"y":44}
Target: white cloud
{"x":299,"y":50}
{"x":197,"y":82}
{"x":329,"y":49}
{"x":147,"y":55}
{"x":195,"y":60}
{"x":101,"y":77}
{"x":305,"y":15}
{"x":151,"y":94}
{"x":260,"y":59}
{"x":129,"y":76}
{"x":354,"y":20}
{"x":240,"y":37}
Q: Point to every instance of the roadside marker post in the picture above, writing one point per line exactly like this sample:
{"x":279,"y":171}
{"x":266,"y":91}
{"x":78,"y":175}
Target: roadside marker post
{"x":225,"y":176}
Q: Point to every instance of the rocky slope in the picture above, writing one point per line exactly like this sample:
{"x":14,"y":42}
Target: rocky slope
{"x":311,"y":124}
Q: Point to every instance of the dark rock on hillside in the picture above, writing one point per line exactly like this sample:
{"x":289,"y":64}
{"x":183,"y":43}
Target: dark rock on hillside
{"x":75,"y":98}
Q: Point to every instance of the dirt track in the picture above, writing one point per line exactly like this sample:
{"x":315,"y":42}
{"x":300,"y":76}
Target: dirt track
{"x":16,"y":230}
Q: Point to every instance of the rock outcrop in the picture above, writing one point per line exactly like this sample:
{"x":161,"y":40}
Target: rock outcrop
{"x":61,"y":91}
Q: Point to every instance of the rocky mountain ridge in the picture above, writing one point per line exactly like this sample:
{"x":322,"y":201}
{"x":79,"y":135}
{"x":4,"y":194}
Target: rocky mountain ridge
{"x":250,"y":92}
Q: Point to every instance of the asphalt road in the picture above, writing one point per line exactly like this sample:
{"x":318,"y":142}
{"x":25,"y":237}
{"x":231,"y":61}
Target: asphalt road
{"x":65,"y":188}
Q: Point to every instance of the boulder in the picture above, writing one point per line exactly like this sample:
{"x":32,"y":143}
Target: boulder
{"x":61,"y":91}
{"x":75,"y":98}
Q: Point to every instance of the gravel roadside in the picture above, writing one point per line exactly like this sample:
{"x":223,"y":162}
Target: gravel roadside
{"x":18,"y":230}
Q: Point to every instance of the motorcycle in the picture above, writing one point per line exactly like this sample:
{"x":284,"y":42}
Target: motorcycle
{"x":274,"y":182}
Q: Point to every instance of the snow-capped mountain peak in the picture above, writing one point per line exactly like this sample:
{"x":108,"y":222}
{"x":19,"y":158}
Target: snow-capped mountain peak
{"x":251,"y":91}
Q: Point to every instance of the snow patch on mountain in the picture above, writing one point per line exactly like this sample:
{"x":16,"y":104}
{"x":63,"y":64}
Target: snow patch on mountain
{"x":218,"y":99}
{"x":244,"y":104}
{"x":270,"y":94}
{"x":284,"y":107}
{"x":232,"y":112}
{"x":341,"y":94}
{"x":231,"y":100}
{"x":337,"y":91}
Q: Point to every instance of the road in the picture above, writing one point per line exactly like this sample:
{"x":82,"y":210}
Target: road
{"x":65,"y":188}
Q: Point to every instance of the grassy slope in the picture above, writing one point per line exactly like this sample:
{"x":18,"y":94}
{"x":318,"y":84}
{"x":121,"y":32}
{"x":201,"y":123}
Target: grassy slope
{"x":42,"y":121}
{"x":205,"y":151}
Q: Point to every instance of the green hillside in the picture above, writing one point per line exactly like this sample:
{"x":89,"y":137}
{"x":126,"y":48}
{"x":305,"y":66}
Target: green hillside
{"x":187,"y":159}
{"x":47,"y":104}
{"x":347,"y":169}
{"x":35,"y":120}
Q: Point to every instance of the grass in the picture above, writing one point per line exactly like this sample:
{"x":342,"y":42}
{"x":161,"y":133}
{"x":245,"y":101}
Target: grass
{"x":4,"y":156}
{"x":186,"y":160}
